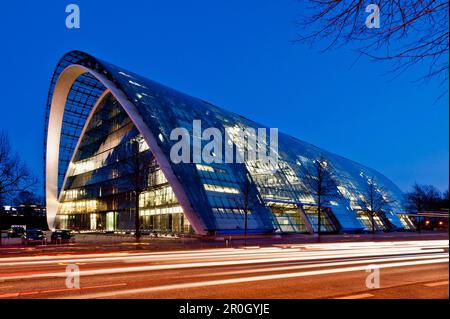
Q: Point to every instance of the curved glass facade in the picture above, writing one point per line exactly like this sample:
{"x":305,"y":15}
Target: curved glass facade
{"x":98,"y":192}
{"x":96,"y":149}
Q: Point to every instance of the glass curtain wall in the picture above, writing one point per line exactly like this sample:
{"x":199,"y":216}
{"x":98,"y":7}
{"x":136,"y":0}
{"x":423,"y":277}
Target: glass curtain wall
{"x":111,"y":165}
{"x":97,"y":192}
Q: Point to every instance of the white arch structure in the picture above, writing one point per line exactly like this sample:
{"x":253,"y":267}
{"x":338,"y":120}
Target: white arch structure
{"x":61,"y":91}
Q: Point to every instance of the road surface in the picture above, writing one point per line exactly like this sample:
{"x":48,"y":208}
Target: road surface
{"x":407,"y":269}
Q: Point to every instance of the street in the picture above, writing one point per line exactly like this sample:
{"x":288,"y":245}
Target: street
{"x":407,"y":269}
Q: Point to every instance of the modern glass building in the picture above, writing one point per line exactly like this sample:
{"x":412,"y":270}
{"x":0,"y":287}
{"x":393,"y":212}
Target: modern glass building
{"x":108,"y":151}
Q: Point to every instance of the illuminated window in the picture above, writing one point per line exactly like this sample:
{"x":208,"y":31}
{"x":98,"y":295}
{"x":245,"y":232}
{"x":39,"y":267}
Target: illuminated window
{"x":221,"y":189}
{"x":205,"y":168}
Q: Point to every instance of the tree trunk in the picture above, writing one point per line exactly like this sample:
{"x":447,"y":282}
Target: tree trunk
{"x":246,"y":194}
{"x":245,"y":228}
{"x":137,"y":191}
{"x":319,"y":222}
{"x":1,"y":226}
{"x":373,"y":222}
{"x":137,"y":221}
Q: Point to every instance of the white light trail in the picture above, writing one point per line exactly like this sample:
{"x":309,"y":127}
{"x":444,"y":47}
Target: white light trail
{"x":326,"y":264}
{"x":352,"y":250}
{"x":203,"y":284}
{"x":241,"y":261}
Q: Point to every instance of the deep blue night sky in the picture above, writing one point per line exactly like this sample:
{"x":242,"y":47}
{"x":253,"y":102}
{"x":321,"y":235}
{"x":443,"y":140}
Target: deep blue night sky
{"x":238,"y":55}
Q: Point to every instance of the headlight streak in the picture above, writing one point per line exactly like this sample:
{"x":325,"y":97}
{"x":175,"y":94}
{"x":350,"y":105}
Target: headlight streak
{"x":304,"y":248}
{"x":231,"y":256}
{"x":241,"y":257}
{"x":252,"y":279}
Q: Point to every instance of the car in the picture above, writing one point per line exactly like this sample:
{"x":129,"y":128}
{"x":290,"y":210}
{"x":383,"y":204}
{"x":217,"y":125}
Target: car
{"x":61,"y":236}
{"x":16,"y":232}
{"x":34,"y":236}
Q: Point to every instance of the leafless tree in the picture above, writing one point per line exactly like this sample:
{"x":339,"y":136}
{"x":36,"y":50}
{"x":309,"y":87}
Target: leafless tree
{"x":321,"y":185}
{"x":411,"y":32}
{"x":376,"y":202}
{"x":422,"y":198}
{"x":27,"y":198}
{"x":15,"y":177}
{"x":137,"y":167}
{"x":246,"y":193}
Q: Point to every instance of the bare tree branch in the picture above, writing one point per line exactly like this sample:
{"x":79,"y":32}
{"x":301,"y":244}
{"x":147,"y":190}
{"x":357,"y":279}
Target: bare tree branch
{"x":321,"y":186}
{"x":15,"y":177}
{"x":412,"y":32}
{"x":375,"y":201}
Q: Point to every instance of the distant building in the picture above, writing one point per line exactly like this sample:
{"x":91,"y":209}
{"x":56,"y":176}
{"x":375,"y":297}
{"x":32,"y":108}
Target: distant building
{"x":97,"y":111}
{"x":24,"y":210}
{"x":31,"y":216}
{"x":431,"y":220}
